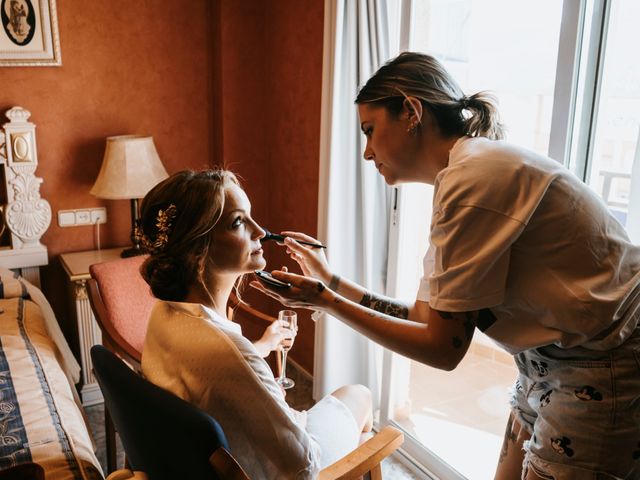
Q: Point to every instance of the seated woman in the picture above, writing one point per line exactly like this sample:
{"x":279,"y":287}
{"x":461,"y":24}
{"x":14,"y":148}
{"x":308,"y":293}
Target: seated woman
{"x":201,"y":238}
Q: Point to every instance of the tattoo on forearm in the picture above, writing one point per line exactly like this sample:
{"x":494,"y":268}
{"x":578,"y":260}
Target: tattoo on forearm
{"x":335,"y":282}
{"x":320,"y":286}
{"x":509,"y":436}
{"x":337,"y":300}
{"x":384,"y":306}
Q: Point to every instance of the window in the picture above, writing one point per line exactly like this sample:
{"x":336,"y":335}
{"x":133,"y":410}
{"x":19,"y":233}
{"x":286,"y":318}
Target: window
{"x":607,"y":154}
{"x":568,"y":84}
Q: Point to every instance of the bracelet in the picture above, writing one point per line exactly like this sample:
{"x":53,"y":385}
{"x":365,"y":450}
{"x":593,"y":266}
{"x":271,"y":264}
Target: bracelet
{"x":335,"y":282}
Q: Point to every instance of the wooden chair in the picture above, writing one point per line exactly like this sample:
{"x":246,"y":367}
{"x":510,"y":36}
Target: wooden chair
{"x":166,"y":437}
{"x":121,"y":302}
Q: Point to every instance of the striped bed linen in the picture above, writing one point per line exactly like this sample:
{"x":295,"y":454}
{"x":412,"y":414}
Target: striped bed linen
{"x":40,"y":420}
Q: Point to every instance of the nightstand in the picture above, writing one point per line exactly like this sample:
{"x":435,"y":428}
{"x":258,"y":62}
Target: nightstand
{"x":76,"y":265}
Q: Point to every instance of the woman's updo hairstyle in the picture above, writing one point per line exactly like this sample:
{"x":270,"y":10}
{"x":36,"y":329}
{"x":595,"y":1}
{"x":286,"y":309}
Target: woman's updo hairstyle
{"x":418,"y":75}
{"x":177,"y":217}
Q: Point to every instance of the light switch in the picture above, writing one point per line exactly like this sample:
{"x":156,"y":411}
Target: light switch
{"x":66,"y":218}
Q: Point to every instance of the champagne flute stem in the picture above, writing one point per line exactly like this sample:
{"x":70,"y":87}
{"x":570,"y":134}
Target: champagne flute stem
{"x":283,"y":374}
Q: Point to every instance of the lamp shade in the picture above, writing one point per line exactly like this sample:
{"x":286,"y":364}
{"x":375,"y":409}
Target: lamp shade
{"x":130,"y":168}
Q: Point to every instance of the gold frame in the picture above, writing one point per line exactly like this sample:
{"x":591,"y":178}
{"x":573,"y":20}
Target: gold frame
{"x":30,"y":37}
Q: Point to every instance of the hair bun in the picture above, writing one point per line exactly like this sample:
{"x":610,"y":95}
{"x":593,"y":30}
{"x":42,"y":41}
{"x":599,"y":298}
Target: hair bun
{"x":167,"y":276}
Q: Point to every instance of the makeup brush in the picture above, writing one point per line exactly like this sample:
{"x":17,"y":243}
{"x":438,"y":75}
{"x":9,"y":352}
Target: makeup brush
{"x":280,"y":238}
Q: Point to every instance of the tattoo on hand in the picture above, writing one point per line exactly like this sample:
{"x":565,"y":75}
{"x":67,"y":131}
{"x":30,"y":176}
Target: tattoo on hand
{"x":320,"y":286}
{"x":385,"y":306}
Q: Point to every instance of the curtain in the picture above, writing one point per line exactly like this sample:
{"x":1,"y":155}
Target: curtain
{"x":354,"y":201}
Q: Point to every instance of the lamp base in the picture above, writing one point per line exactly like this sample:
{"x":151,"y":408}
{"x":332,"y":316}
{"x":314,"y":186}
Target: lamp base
{"x":132,"y":252}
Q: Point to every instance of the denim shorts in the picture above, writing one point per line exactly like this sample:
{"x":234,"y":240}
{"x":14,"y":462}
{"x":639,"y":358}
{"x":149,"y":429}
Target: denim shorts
{"x":582,"y":408}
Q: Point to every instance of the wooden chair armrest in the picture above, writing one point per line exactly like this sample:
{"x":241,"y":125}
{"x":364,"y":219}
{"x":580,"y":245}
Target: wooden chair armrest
{"x":249,"y":313}
{"x":255,"y":317}
{"x":365,"y":458}
{"x":125,"y":474}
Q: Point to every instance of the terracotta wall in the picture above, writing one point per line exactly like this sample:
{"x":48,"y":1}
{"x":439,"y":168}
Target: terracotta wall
{"x":271,"y":79}
{"x":238,"y":80}
{"x":128,"y":67}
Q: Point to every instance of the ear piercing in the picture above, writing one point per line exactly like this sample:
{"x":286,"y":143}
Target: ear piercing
{"x":413,"y":127}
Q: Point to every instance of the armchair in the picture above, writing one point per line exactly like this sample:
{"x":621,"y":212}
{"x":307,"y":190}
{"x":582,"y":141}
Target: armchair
{"x":167,"y":438}
{"x":121,"y":302}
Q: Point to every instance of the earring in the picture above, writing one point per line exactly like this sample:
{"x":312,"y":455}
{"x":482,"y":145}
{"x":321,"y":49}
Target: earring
{"x":413,"y":128}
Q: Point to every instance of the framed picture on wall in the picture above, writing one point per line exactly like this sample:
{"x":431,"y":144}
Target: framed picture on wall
{"x":29,"y":33}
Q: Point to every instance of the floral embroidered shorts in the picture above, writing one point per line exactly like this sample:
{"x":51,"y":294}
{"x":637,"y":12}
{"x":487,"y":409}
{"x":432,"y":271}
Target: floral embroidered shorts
{"x":582,"y":408}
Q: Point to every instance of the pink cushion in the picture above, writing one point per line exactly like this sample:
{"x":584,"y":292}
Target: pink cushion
{"x":126,"y":296}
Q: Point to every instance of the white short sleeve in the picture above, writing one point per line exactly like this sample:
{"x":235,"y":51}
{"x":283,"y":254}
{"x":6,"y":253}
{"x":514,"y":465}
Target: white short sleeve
{"x":424,"y":292}
{"x":472,"y":246}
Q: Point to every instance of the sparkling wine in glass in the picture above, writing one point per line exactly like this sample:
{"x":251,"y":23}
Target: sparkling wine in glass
{"x":289,"y":322}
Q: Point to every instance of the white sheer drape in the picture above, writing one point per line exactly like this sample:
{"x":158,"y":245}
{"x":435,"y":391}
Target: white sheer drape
{"x":353,"y":198}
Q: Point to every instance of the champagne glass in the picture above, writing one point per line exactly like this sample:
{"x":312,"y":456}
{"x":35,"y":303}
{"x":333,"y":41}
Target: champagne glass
{"x":289,"y":322}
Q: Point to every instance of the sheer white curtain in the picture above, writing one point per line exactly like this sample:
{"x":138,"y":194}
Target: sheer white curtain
{"x":353,"y":198}
{"x":633,"y":217}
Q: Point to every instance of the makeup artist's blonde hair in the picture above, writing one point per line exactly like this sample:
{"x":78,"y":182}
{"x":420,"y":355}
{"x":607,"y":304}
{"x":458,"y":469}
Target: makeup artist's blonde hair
{"x":418,"y":75}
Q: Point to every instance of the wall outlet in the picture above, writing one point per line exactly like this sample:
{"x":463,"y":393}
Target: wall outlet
{"x":98,"y":215}
{"x":82,"y":216}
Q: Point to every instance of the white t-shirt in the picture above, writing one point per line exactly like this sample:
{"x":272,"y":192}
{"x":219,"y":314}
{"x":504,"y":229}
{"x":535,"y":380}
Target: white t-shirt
{"x":515,"y":232}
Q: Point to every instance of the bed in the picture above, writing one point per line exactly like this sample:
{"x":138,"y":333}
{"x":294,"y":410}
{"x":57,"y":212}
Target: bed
{"x":41,"y":420}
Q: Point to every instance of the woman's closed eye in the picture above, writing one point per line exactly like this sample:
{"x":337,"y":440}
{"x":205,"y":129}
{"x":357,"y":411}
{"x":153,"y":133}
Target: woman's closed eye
{"x":367,"y":131}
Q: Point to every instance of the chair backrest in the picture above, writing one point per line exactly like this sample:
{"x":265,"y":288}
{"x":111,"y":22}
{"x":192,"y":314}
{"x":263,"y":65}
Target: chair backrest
{"x":122,"y":302}
{"x":163,"y":435}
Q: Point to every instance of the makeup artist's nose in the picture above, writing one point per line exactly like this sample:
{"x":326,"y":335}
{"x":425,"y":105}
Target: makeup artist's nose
{"x":368,"y":154}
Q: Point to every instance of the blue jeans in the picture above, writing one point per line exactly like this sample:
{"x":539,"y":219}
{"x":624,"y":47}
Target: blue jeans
{"x":582,"y":408}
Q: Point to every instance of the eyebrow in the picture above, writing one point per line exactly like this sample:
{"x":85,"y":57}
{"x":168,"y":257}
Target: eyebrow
{"x":235,"y":211}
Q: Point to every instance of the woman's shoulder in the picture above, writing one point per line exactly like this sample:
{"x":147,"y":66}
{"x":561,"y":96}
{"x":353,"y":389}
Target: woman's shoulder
{"x":478,"y":154}
{"x":495,"y":175}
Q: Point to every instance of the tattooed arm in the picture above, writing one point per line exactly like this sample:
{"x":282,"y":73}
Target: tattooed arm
{"x":435,"y":338}
{"x":438,"y":339}
{"x":354,"y":292}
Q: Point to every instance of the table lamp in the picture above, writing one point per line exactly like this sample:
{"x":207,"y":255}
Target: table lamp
{"x":130,"y":168}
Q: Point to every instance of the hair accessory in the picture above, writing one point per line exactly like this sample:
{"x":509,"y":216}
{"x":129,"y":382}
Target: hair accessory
{"x":163,"y":224}
{"x":465,"y":102}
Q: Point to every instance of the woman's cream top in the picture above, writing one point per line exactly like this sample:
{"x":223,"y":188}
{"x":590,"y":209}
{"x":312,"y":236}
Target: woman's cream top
{"x":204,"y":359}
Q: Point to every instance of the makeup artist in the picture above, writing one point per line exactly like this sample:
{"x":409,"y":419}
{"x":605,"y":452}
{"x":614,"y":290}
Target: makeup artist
{"x":520,"y":249}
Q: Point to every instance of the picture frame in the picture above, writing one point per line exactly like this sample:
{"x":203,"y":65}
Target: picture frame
{"x":29,"y":33}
